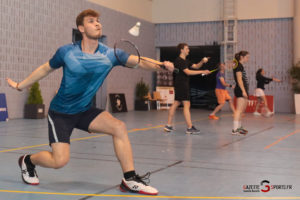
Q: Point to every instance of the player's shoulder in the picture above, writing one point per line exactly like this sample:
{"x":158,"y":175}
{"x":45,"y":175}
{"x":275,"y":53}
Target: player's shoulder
{"x":104,"y":48}
{"x":220,"y":74}
{"x":68,"y":47}
{"x":239,"y":67}
{"x":179,"y":60}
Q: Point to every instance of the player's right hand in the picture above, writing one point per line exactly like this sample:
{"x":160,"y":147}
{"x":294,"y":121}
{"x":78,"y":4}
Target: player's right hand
{"x":12,"y":83}
{"x":206,"y":72}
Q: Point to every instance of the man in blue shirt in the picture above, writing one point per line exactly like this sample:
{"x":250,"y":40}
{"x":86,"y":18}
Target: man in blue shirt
{"x":85,"y":66}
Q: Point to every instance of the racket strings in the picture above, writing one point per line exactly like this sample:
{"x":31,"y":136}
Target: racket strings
{"x":130,"y":49}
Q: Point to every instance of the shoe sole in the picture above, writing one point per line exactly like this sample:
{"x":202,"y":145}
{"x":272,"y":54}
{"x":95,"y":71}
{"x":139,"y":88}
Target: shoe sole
{"x":124,"y":188}
{"x":20,"y":165}
{"x":192,"y":133}
{"x":245,"y":132}
{"x":167,"y":130}
{"x":239,"y":133}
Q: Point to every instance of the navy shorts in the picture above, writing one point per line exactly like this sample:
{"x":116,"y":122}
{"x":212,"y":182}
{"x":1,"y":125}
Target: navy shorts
{"x":61,"y":125}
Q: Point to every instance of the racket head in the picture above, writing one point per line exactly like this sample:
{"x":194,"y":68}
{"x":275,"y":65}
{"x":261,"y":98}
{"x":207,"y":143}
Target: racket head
{"x":124,"y":48}
{"x":235,"y":63}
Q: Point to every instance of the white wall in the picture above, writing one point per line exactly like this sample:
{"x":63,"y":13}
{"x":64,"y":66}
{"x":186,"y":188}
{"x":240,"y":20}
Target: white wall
{"x":137,"y":8}
{"x":263,"y":9}
{"x":179,"y":11}
{"x":297,"y":31}
{"x":176,"y":11}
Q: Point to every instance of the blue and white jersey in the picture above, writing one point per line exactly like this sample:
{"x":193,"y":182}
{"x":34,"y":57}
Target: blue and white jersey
{"x":83,"y":75}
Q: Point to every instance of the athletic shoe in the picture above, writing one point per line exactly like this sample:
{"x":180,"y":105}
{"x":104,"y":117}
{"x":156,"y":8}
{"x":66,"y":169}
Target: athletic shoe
{"x":256,"y":113}
{"x":213,"y":117}
{"x":242,"y":131}
{"x":28,"y":173}
{"x":269,"y":114}
{"x":235,"y":132}
{"x":168,"y":128}
{"x":239,"y":131}
{"x":192,"y":130}
{"x":137,"y":184}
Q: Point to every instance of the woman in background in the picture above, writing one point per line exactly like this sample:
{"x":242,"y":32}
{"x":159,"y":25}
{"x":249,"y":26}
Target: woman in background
{"x":241,"y":91}
{"x":259,"y":91}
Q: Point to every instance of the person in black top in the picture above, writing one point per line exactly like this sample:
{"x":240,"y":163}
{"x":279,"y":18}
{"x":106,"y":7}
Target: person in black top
{"x":182,"y":87}
{"x":241,"y":91}
{"x":259,"y":91}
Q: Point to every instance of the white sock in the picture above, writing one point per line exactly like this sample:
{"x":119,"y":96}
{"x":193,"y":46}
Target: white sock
{"x":235,"y":125}
{"x":240,"y":124}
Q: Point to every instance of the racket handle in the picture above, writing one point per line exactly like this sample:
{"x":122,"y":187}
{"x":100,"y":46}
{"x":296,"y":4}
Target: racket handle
{"x":176,"y":71}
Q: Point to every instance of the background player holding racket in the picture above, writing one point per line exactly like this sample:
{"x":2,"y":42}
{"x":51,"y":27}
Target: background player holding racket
{"x":182,"y":87}
{"x":85,"y":66}
{"x":221,"y":92}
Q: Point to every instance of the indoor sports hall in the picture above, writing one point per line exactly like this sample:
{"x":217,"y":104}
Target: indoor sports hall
{"x":84,"y":117}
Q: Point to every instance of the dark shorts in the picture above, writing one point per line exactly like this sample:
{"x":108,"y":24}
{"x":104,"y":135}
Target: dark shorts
{"x":61,"y":125}
{"x":182,"y":93}
{"x":238,"y":92}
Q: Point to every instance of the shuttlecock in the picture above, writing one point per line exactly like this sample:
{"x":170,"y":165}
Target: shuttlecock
{"x":135,"y":30}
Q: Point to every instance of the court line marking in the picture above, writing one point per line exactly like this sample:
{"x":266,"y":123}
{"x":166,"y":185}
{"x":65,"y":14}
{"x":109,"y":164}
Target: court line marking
{"x":96,"y":136}
{"x":136,"y":196}
{"x":140,"y":196}
{"x":282,"y":138}
{"x":39,"y":145}
{"x":78,"y":139}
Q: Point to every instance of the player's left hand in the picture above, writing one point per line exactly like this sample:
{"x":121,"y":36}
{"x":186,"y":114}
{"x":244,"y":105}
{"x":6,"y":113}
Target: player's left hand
{"x":205,"y":59}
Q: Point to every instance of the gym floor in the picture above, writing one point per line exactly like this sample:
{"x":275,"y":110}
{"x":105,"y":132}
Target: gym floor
{"x":211,"y":165}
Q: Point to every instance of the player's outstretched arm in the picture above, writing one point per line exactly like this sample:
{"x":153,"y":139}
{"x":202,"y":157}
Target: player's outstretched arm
{"x":35,"y":76}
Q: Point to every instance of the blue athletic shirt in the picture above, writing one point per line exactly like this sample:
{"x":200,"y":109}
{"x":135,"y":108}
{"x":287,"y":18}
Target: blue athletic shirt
{"x":83,"y":75}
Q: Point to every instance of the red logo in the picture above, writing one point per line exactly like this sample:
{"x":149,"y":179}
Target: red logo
{"x":266,"y":184}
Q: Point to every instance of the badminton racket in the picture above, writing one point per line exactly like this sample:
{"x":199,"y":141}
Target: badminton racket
{"x":211,"y":71}
{"x":130,"y":48}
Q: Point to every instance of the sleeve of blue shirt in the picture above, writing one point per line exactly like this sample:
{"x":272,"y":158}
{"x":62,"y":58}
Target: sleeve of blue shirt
{"x":122,"y":56}
{"x":57,"y":60}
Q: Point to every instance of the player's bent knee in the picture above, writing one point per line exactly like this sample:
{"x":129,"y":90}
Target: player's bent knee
{"x":120,"y":126}
{"x":60,"y":162}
